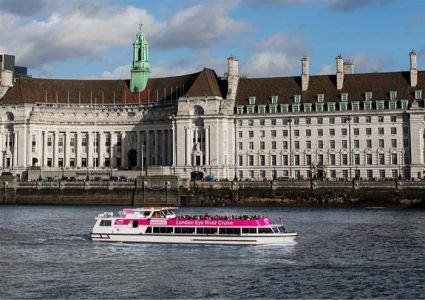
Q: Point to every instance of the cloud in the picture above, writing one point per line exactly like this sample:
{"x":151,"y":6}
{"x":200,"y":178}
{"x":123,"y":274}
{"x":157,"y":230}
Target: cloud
{"x":277,"y":55}
{"x":26,"y":8}
{"x":364,"y":63}
{"x":84,"y":30}
{"x":326,"y":70}
{"x":350,"y":5}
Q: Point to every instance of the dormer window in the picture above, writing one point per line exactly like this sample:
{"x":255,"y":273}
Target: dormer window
{"x":418,"y":94}
{"x":297,"y":98}
{"x":320,"y":98}
{"x":344,"y":97}
{"x":368,"y":96}
{"x":393,"y":95}
{"x":274,"y":99}
{"x":251,"y":100}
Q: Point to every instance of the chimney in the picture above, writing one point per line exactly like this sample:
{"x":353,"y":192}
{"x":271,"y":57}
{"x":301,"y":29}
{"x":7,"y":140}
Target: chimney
{"x":349,"y":67}
{"x":339,"y":72}
{"x":232,"y":77}
{"x":305,"y":73}
{"x":413,"y":69}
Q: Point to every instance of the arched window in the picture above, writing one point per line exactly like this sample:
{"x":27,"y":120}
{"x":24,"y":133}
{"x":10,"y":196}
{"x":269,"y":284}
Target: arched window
{"x":198,"y":110}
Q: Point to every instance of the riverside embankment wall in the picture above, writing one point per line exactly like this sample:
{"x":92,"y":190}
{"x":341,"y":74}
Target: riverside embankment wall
{"x":168,"y":190}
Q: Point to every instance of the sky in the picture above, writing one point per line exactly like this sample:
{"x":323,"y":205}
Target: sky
{"x":93,"y":39}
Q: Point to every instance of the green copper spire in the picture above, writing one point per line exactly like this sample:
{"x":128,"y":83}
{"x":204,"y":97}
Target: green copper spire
{"x":140,"y":71}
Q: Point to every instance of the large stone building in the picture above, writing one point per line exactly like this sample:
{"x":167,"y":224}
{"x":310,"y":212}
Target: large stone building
{"x":343,"y":125}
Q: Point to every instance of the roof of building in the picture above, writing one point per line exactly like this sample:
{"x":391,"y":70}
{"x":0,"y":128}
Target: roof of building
{"x":167,"y":89}
{"x":380,"y":84}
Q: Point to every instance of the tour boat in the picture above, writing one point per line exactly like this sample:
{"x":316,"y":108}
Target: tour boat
{"x":162,"y":225}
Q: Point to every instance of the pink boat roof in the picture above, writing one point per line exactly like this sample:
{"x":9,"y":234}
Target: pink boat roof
{"x":197,"y":222}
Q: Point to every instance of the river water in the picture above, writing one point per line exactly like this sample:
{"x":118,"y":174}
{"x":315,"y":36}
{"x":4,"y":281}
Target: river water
{"x":340,"y":253}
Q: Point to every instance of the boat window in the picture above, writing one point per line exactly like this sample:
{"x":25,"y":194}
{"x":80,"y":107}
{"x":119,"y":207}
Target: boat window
{"x":249,"y":230}
{"x":275,"y":229}
{"x":265,"y":230}
{"x":105,"y":223}
{"x":135,"y":224}
{"x":163,"y":214}
{"x":155,"y":214}
{"x":162,"y":229}
{"x":282,"y":229}
{"x":185,"y":230}
{"x":148,"y":230}
{"x":169,"y":212}
{"x":206,"y":230}
{"x":146,"y":213}
{"x":230,"y":231}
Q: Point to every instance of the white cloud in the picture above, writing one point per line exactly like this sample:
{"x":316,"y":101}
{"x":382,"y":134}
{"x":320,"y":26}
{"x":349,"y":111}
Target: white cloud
{"x":120,"y":72}
{"x":364,"y":63}
{"x":326,"y":70}
{"x":84,"y":30}
{"x":277,"y":55}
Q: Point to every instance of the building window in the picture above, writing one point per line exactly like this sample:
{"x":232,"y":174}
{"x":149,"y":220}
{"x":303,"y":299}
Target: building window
{"x":320,"y":132}
{"x":331,"y":120}
{"x":296,"y":132}
{"x":382,"y":173}
{"x":332,"y":144}
{"x":369,"y":174}
{"x":356,"y":131}
{"x":251,"y":173}
{"x":285,"y":145}
{"x":297,"y":145}
{"x":357,"y":159}
{"x":331,"y":106}
{"x":274,"y":99}
{"x":368,"y":119}
{"x":393,"y":130}
{"x":344,"y":97}
{"x":320,"y":98}
{"x":332,"y":131}
{"x":273,"y":145}
{"x":240,"y":134}
{"x":393,"y":95}
{"x":251,"y":134}
{"x":394,"y":173}
{"x":240,"y":160}
{"x":262,"y":133}
{"x":418,"y":94}
{"x":394,"y":159}
{"x":273,"y":122}
{"x":357,"y":144}
{"x":381,"y":143}
{"x":262,"y":145}
{"x":393,"y":119}
{"x":368,"y":143}
{"x":251,"y":145}
{"x":308,"y":159}
{"x":308,"y":144}
{"x":381,"y":130}
{"x":273,"y":133}
{"x":308,"y":132}
{"x":252,"y":100}
{"x":369,"y":158}
{"x":250,"y":122}
{"x":297,"y":98}
{"x":368,"y":96}
{"x":368,"y":131}
{"x":344,"y":131}
{"x":345,"y":159}
{"x":285,"y":160}
{"x":285,"y":133}
{"x":262,"y":160}
{"x":251,"y":160}
{"x":308,"y":121}
{"x":320,"y":144}
{"x":297,"y":160}
{"x":261,"y":109}
{"x":273,"y":160}
{"x":296,"y":121}
{"x":394,"y":143}
{"x":319,"y":120}
{"x":344,"y":144}
{"x":380,"y":105}
{"x":240,"y":146}
{"x":381,"y":158}
{"x":381,"y":119}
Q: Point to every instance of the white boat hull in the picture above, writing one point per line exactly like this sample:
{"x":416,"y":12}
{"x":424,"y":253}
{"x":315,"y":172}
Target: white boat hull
{"x":255,"y":239}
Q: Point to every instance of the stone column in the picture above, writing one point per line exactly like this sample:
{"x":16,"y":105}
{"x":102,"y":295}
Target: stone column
{"x":187,"y":154}
{"x":45,"y":134}
{"x":113,"y":150}
{"x":55,"y":149}
{"x":1,"y":149}
{"x":139,"y":148}
{"x":90,"y":150}
{"x":101,"y":149}
{"x":163,"y":144}
{"x":148,"y":148}
{"x":173,"y":144}
{"x":15,"y":149}
{"x":66,"y":149}
{"x":156,"y":147}
{"x":207,"y":145}
{"x":78,"y":149}
{"x":123,"y":150}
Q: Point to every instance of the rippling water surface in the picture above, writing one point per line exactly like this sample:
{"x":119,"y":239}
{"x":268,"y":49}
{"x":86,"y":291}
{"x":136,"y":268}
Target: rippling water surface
{"x":340,"y":253}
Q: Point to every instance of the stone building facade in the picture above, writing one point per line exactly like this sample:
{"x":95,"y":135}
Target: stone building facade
{"x":344,"y":125}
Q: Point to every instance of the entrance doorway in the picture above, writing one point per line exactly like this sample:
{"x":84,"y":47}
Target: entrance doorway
{"x":132,"y":159}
